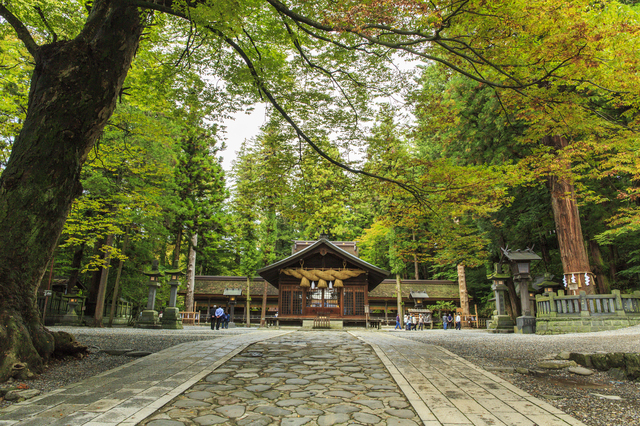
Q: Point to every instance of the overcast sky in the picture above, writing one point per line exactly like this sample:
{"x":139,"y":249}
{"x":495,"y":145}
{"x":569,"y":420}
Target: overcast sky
{"x":243,"y":127}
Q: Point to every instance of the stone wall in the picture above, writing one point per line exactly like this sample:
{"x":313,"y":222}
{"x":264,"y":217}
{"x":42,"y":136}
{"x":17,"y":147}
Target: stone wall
{"x":583,"y":324}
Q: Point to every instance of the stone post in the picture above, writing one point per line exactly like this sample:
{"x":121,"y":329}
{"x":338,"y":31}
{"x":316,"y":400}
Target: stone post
{"x":584,"y":306}
{"x":499,"y":291}
{"x":149,"y":317}
{"x":526,"y":323}
{"x":500,"y":321}
{"x":171,"y":317}
{"x":552,"y":305}
{"x":525,"y":306}
{"x":151,"y":301}
{"x":619,"y":307}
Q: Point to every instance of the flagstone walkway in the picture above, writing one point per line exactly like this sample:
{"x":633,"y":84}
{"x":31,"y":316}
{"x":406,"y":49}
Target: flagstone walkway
{"x":292,"y":378}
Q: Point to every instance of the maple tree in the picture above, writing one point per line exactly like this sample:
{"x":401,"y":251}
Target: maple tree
{"x":300,"y":56}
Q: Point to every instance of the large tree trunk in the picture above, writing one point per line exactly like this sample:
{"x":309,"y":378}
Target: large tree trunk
{"x":75,"y":269}
{"x":514,"y":302}
{"x":116,"y":285}
{"x":573,"y":253}
{"x":415,"y":258}
{"x":102,"y":289}
{"x":176,"y":248}
{"x":73,"y":93}
{"x":191,"y":274}
{"x":599,"y":267}
{"x":94,"y":283}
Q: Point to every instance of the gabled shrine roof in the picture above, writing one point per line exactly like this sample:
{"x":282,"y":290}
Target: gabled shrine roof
{"x":271,"y":273}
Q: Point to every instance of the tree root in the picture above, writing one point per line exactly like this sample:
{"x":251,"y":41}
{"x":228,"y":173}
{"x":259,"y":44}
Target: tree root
{"x":67,"y":345}
{"x":25,"y":349}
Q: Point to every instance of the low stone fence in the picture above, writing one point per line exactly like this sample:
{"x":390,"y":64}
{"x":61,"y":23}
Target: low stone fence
{"x":560,"y":313}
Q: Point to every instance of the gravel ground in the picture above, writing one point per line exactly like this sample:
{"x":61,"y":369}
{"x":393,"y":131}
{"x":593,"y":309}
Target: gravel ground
{"x":62,"y":372}
{"x":572,"y":394}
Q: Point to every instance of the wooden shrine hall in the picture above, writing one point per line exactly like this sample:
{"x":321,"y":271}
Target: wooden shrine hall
{"x":325,"y":281}
{"x":320,"y":279}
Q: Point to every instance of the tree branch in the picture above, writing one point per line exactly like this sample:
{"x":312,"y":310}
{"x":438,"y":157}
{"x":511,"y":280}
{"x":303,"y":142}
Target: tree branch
{"x":46,"y":24}
{"x":301,"y":134}
{"x":21,"y":31}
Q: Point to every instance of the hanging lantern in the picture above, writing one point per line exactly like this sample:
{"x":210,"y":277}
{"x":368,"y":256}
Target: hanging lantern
{"x":304,"y":282}
{"x":338,"y":283}
{"x":322,"y":284}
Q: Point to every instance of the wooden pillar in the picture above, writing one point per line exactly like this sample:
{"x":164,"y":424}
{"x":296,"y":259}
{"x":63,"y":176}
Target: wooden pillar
{"x":248,"y":324}
{"x":462,"y":285}
{"x":263,"y":315}
{"x":399,"y":299}
{"x":386,"y":321}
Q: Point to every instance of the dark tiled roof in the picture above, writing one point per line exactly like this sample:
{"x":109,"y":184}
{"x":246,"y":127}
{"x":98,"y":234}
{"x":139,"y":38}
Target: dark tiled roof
{"x":216,"y":285}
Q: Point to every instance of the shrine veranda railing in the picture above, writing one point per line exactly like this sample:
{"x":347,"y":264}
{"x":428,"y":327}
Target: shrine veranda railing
{"x":560,"y":305}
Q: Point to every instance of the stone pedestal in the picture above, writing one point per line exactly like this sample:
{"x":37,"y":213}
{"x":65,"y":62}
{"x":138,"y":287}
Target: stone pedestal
{"x":70,"y":318}
{"x":526,"y":324}
{"x":500,"y":323}
{"x":171,"y":319}
{"x":149,"y":319}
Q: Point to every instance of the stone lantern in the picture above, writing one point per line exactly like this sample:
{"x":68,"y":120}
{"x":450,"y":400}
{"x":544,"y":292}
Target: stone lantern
{"x":500,"y":321}
{"x":419,"y":298}
{"x":171,"y":316}
{"x":520,"y":268}
{"x":232,"y":294}
{"x":71,"y":318}
{"x":149,"y":317}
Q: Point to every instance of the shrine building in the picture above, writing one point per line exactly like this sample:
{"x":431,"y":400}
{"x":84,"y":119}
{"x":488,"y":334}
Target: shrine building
{"x":320,"y":279}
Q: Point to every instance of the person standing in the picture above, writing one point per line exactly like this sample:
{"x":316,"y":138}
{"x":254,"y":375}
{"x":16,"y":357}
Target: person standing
{"x":414,"y":322}
{"x":458,"y":322}
{"x":449,"y":320}
{"x":225,"y":320}
{"x":219,"y":314}
{"x":212,"y":315}
{"x":398,"y":322}
{"x":421,"y":322}
{"x":444,"y":321}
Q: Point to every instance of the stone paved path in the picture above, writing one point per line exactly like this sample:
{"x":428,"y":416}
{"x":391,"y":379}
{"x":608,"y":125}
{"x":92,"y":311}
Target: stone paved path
{"x":292,"y":378}
{"x":306,"y":378}
{"x":447,"y":390}
{"x":128,"y":394}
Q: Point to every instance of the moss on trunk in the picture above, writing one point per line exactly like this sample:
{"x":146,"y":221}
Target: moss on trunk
{"x":73,"y":93}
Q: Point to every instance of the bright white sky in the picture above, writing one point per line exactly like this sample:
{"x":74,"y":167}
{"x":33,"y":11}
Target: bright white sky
{"x":243,"y":127}
{"x":246,"y":126}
